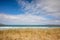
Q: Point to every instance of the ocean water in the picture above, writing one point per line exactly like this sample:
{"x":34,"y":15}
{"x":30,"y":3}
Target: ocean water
{"x":28,"y":26}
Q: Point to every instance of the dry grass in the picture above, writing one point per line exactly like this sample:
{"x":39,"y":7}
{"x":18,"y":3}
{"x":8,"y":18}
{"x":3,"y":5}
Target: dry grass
{"x":30,"y":34}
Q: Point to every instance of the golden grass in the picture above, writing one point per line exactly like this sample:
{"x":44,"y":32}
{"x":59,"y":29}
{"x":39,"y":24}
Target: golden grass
{"x":30,"y":34}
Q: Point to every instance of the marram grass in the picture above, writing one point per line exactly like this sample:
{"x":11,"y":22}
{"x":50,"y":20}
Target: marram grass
{"x":30,"y":34}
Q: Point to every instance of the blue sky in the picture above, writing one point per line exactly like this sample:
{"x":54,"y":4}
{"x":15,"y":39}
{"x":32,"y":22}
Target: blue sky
{"x":29,"y":12}
{"x":9,"y":7}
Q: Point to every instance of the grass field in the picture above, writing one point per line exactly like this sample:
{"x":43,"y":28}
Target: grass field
{"x":30,"y":34}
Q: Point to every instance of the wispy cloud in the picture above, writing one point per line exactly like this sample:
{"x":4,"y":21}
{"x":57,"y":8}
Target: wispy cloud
{"x":45,"y":7}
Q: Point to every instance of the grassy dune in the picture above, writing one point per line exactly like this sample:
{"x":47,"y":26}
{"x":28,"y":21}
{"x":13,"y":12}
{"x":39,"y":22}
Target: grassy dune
{"x":30,"y":34}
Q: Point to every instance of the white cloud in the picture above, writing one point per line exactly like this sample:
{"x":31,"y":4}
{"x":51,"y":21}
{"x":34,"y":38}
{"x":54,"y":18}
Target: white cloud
{"x":52,"y":7}
{"x":22,"y":18}
{"x":26,"y":19}
{"x":45,"y":7}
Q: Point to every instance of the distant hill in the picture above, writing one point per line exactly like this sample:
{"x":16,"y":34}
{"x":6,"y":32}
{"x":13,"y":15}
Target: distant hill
{"x":1,"y":24}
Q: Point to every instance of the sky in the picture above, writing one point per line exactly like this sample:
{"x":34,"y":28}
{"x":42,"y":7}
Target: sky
{"x":30,"y":12}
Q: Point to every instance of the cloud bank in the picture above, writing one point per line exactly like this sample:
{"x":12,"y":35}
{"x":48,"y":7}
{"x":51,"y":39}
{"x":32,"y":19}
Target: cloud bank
{"x":22,"y":18}
{"x":26,"y":19}
{"x":36,"y":12}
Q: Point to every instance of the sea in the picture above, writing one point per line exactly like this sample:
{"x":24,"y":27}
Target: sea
{"x":3,"y":27}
